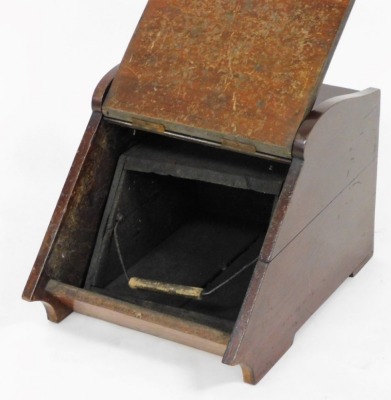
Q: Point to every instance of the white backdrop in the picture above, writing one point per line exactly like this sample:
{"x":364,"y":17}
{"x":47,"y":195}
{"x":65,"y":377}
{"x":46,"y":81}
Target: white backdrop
{"x":52,"y":55}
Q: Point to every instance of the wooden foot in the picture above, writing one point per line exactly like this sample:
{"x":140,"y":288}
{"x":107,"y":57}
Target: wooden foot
{"x":252,"y":374}
{"x":248,"y":375}
{"x":361,"y":266}
{"x":56,"y":311}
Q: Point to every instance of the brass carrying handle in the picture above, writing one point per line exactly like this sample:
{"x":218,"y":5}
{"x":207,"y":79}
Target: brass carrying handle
{"x":168,"y":288}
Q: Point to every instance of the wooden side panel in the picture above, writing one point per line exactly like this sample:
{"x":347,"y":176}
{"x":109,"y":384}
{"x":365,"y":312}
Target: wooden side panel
{"x":241,"y":71}
{"x":286,"y":292}
{"x":336,"y":143}
{"x":69,"y":240}
{"x":321,"y":232}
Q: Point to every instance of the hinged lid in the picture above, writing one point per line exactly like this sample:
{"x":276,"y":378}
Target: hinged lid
{"x":243,"y":73}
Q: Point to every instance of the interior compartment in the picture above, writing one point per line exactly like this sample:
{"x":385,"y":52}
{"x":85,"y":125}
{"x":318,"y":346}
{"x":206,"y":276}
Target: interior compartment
{"x":189,"y":215}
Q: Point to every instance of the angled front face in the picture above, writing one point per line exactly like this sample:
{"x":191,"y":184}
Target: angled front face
{"x":235,"y":72}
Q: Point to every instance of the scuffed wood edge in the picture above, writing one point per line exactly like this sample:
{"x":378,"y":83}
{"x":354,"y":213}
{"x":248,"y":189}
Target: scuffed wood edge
{"x":139,"y":318}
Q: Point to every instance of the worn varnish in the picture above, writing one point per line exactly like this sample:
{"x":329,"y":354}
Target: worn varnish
{"x":230,"y":71}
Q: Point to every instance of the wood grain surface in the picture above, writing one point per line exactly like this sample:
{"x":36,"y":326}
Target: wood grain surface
{"x":242,"y":71}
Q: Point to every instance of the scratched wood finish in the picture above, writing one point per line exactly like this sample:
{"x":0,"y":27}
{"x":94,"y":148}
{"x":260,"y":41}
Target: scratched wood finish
{"x":237,"y":72}
{"x":69,"y":240}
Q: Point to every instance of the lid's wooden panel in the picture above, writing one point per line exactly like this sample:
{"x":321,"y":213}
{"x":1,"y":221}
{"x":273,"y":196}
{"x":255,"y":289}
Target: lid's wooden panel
{"x":231,"y":71}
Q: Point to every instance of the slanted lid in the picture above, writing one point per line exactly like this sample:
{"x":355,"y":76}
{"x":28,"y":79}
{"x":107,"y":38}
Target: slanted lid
{"x":242,"y":73}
